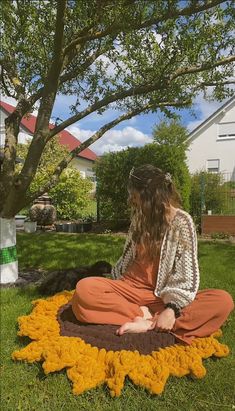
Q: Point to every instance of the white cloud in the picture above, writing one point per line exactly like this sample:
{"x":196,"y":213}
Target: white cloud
{"x":113,"y":140}
{"x":81,"y":134}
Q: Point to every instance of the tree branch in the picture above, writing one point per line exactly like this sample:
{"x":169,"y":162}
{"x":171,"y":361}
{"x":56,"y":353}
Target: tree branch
{"x":116,"y":29}
{"x":65,"y":162}
{"x":203,"y":67}
{"x":138,"y":90}
{"x":212,"y":83}
{"x":5,"y":86}
{"x":8,"y":66}
{"x":12,"y":127}
{"x":101,"y":103}
{"x":87,"y":63}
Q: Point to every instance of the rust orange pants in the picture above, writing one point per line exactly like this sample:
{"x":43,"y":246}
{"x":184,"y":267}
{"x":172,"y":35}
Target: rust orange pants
{"x":105,"y":301}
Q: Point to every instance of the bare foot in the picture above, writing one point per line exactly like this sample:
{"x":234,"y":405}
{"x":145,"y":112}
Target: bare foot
{"x":139,"y":325}
{"x":146,"y":313}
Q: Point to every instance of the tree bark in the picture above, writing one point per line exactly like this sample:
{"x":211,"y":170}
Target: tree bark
{"x":12,"y":128}
{"x":14,"y":200}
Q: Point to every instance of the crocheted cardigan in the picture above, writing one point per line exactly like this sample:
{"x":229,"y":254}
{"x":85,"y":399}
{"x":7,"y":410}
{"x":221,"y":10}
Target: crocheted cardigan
{"x":178,"y":272}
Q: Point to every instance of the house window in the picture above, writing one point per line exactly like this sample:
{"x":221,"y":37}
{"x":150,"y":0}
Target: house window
{"x":213,"y":166}
{"x":226,"y":131}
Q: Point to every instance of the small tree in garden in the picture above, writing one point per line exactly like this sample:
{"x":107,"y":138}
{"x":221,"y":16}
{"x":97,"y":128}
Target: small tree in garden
{"x":71,"y":195}
{"x":171,"y":136}
{"x":133,"y":56}
{"x":54,"y":153}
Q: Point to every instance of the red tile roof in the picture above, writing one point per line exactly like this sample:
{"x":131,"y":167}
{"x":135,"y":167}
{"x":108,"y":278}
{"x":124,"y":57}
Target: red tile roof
{"x":65,"y":137}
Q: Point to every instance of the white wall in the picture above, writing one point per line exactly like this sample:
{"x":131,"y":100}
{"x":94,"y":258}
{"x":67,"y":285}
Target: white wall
{"x":205,"y":145}
{"x":23,"y":134}
{"x":84,"y":166}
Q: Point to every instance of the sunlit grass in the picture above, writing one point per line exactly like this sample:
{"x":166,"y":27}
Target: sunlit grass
{"x":58,"y":250}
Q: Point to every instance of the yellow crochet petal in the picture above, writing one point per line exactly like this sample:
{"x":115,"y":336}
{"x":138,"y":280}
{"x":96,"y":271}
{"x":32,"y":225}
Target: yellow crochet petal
{"x":150,"y":374}
{"x":62,"y":352}
{"x":31,"y":353}
{"x":86,"y":374}
{"x":118,"y":365}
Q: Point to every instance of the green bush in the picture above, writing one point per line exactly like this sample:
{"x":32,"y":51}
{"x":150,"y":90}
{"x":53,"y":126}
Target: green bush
{"x":71,"y":196}
{"x":112,"y":171}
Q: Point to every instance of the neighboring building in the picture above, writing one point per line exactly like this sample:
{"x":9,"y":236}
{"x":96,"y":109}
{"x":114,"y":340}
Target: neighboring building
{"x":212,"y":143}
{"x":83,"y":162}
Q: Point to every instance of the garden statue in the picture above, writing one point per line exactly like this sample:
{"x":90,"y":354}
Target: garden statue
{"x":43,"y":211}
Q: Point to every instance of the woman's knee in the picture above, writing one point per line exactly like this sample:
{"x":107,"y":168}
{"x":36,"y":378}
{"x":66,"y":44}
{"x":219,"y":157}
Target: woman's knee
{"x":85,"y":289}
{"x":224,"y":301}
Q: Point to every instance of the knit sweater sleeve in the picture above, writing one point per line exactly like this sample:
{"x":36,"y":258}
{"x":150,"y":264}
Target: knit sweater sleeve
{"x":183,"y":282}
{"x":125,"y":259}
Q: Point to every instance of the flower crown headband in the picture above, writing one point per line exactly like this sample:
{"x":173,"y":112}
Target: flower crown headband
{"x":167,"y":176}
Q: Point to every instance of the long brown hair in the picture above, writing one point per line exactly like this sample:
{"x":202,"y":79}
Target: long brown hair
{"x":151,"y":192}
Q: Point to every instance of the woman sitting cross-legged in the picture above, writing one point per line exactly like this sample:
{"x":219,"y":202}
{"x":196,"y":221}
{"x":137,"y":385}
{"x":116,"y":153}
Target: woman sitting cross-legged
{"x":156,"y":280}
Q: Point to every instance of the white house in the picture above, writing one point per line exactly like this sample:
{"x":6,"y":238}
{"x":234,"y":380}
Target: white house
{"x":212,"y":143}
{"x":83,"y":162}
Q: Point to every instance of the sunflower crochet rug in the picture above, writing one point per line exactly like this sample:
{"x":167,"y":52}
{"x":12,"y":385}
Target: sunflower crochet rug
{"x":93,"y":354}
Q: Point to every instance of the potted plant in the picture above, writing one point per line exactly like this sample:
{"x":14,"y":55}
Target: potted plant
{"x":30,"y":226}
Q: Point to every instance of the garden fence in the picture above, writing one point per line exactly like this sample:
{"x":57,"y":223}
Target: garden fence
{"x":213,"y":194}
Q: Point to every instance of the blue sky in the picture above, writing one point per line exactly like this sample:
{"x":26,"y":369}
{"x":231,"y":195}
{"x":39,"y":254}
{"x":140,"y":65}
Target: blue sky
{"x":134,"y":132}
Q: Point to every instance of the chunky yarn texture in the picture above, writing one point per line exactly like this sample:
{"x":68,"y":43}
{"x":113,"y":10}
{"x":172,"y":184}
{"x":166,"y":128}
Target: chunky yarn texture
{"x":88,"y":367}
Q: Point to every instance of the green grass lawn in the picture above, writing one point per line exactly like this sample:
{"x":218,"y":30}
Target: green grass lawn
{"x":25,"y":387}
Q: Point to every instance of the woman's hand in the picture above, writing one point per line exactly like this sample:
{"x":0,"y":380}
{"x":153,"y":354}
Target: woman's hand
{"x":164,"y":321}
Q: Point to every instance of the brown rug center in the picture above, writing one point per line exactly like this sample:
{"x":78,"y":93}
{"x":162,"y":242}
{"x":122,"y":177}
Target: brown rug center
{"x":103,"y":335}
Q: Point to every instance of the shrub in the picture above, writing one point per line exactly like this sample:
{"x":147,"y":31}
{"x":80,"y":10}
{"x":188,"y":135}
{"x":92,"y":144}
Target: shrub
{"x":71,"y":196}
{"x":112,"y":171}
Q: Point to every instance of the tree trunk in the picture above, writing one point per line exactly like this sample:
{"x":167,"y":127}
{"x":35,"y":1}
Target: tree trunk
{"x":8,"y":254}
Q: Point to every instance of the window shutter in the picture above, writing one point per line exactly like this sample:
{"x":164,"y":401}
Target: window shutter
{"x":226,"y":130}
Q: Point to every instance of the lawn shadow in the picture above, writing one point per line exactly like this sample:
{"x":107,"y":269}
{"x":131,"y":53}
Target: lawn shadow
{"x":67,"y":251}
{"x":23,"y":341}
{"x":41,"y":373}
